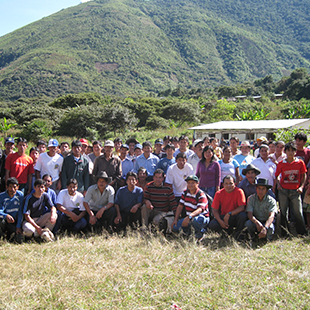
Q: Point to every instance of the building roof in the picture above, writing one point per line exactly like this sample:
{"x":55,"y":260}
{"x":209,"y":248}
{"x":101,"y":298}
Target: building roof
{"x":264,"y":125}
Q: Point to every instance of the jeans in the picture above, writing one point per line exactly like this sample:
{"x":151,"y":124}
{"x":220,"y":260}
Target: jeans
{"x":198,"y":223}
{"x":209,"y":190}
{"x":290,"y":198}
{"x":67,"y":223}
{"x":251,"y":227}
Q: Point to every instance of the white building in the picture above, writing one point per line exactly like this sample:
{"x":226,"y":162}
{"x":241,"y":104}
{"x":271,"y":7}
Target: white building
{"x":248,"y":130}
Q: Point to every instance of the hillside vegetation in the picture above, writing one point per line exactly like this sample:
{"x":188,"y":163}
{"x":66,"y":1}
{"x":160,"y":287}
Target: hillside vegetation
{"x":128,"y":47}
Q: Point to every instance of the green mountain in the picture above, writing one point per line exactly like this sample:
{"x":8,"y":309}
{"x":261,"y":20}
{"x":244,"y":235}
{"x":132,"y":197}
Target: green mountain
{"x":125,"y":47}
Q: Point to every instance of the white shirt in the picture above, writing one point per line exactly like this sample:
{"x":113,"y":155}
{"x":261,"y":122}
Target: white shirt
{"x":193,"y":160}
{"x":267,"y":169}
{"x":176,"y":177}
{"x":70,"y":202}
{"x":49,"y":165}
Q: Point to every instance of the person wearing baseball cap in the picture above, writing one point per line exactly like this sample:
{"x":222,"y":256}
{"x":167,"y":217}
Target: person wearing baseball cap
{"x":158,"y":149}
{"x":84,"y":143}
{"x":195,"y":202}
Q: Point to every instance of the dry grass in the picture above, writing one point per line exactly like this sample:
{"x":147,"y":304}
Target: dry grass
{"x":144,"y":272}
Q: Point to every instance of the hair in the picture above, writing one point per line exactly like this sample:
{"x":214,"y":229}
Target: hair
{"x":47,"y":176}
{"x":146,"y":143}
{"x":229,"y":177}
{"x":180,"y":155}
{"x":76,"y":143}
{"x":280,"y":142}
{"x":213,"y":139}
{"x":12,"y":180}
{"x":97,"y":142}
{"x":169,"y":138}
{"x":131,"y":174}
{"x":301,"y":136}
{"x":206,"y":148}
{"x":263,"y":145}
{"x":169,"y":146}
{"x":272,"y":142}
{"x":38,"y":182}
{"x":175,"y":139}
{"x":34,"y":148}
{"x":226,"y":147}
{"x":143,"y":170}
{"x":41,"y":142}
{"x":118,"y":140}
{"x":183,"y":137}
{"x":234,"y":138}
{"x":72,"y":181}
{"x":290,"y":145}
{"x":159,"y":171}
{"x":20,"y":139}
{"x":64,"y":142}
{"x":206,"y":138}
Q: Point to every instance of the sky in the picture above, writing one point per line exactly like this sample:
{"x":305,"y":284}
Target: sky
{"x":15,"y":14}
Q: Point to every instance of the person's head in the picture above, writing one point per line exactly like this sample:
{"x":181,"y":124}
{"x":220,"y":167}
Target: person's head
{"x":102,"y":180}
{"x":131,"y":143}
{"x":169,"y":149}
{"x":138,"y":149}
{"x":183,"y":143}
{"x":229,"y":183}
{"x":48,"y":180}
{"x":84,"y":144}
{"x":142,"y":174}
{"x":52,"y":147}
{"x":198,"y":147}
{"x":214,"y":142}
{"x":245,"y":148}
{"x":9,"y":145}
{"x":181,"y":160}
{"x":34,"y":154}
{"x":124,"y":150}
{"x":264,"y":151}
{"x":261,"y":140}
{"x":158,"y":177}
{"x":192,"y":183}
{"x":64,"y":147}
{"x":250,"y":172}
{"x":108,"y":148}
{"x":167,"y":139}
{"x":72,"y":186}
{"x":233,"y":143}
{"x":227,"y":152}
{"x":117,"y":144}
{"x":147,"y":148}
{"x":12,"y":186}
{"x":272,"y":147}
{"x":290,"y":149}
{"x":21,"y":145}
{"x":76,"y":147}
{"x":206,"y":141}
{"x":131,"y":179}
{"x":279,"y":147}
{"x":262,"y":187}
{"x":39,"y":187}
{"x":41,"y":145}
{"x":175,"y":142}
{"x":300,"y":140}
{"x":97,"y":147}
{"x":89,"y":150}
{"x":208,"y":154}
{"x":158,"y":145}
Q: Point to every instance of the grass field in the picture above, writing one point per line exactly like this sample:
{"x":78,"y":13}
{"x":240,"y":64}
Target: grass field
{"x":146,"y":272}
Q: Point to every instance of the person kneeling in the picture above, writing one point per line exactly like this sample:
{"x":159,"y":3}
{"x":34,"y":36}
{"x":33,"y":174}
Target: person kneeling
{"x":195,"y":203}
{"x":40,"y":213}
{"x":70,"y":202}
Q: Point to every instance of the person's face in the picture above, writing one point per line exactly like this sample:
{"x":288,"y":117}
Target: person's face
{"x":64,"y":147}
{"x":290,"y":153}
{"x":142,"y":175}
{"x":279,"y":148}
{"x":89,"y":150}
{"x":21,"y":146}
{"x":52,"y":150}
{"x":198,"y":149}
{"x":76,"y":151}
{"x":227,"y":154}
{"x":261,"y":191}
{"x":169,"y":152}
{"x":124,"y":152}
{"x":181,"y":162}
{"x":138,"y":152}
{"x":97,"y":148}
{"x":206,"y":142}
{"x":176,"y":144}
{"x":117,"y":146}
{"x":214,"y":143}
{"x":272,"y":148}
{"x":208,"y":155}
{"x":233,"y":144}
{"x":251,"y":175}
{"x":34,"y":155}
{"x":157,"y":148}
{"x":11,"y":189}
{"x":108,"y":150}
{"x":229,"y":185}
{"x":300,"y":144}
{"x":131,"y":181}
{"x":158,"y":179}
{"x":147,"y":150}
{"x":39,"y":189}
{"x":48,"y":182}
{"x":102,"y":184}
{"x":72,"y":189}
{"x":131,"y":147}
{"x":84,"y":148}
{"x":183,"y":144}
{"x":42,"y":148}
{"x":192,"y":185}
{"x":9,"y":147}
{"x":245,"y":150}
{"x":263,"y":153}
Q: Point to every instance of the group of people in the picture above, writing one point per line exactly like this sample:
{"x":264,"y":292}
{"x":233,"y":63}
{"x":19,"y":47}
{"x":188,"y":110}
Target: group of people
{"x":172,"y":186}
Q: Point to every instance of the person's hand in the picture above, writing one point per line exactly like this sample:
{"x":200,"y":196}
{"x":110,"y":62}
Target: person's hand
{"x":174,"y":223}
{"x":118,"y":219}
{"x":223,"y":224}
{"x":263,"y":233}
{"x":92,"y":220}
{"x":134,"y":209}
{"x":39,"y":230}
{"x":100,"y":213}
{"x":185,"y":222}
{"x":74,"y":217}
{"x":10,"y":219}
{"x":300,"y":190}
{"x":19,"y":231}
{"x":259,"y":226}
{"x":53,"y":217}
{"x":279,"y":187}
{"x":226,"y":218}
{"x":150,"y":206}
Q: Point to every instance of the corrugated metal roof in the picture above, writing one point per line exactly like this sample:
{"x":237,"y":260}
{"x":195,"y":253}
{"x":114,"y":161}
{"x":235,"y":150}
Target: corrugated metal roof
{"x":254,"y":125}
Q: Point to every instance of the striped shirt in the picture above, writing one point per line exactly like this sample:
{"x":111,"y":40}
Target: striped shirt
{"x":194,"y":201}
{"x":161,"y":197}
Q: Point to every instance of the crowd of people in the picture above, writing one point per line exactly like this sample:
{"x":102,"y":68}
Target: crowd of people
{"x":173,"y":186}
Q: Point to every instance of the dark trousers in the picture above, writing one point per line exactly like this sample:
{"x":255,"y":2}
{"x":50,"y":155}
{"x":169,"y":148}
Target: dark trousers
{"x":128,"y":218}
{"x":106,"y":221}
{"x":7,"y":228}
{"x":68,"y":224}
{"x":235,"y":221}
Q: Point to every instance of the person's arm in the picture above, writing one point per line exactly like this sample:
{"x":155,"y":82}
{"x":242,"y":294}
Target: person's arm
{"x":118,"y":218}
{"x":216,"y":215}
{"x":29,"y":183}
{"x":177,"y":214}
{"x":186,"y":220}
{"x":7,"y":174}
{"x":63,"y":175}
{"x":234,"y":212}
{"x":37,"y":174}
{"x":237,"y":175}
{"x":29,"y":219}
{"x":135,"y":208}
{"x":302,"y":183}
{"x":58,"y":186}
{"x":70,"y":214}
{"x":86,"y":177}
{"x":92,"y":217}
{"x":253,"y":219}
{"x":148,"y":204}
{"x":104,"y":208}
{"x":263,"y":232}
{"x":53,"y":217}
